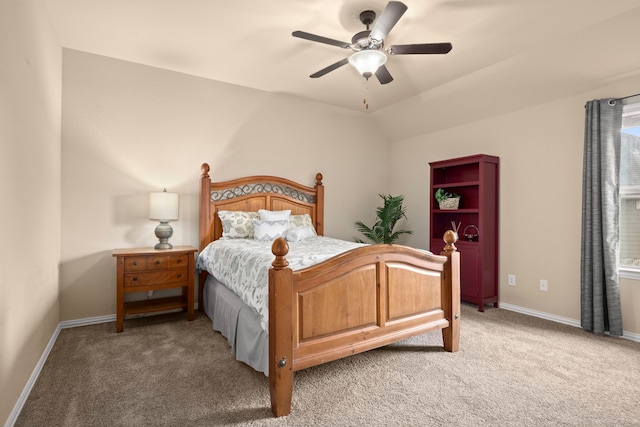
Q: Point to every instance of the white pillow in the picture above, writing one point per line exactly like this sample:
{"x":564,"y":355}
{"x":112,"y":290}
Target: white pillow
{"x":266,"y":215}
{"x":237,"y":224}
{"x":301,"y":221}
{"x":269,"y":230}
{"x":300,"y":233}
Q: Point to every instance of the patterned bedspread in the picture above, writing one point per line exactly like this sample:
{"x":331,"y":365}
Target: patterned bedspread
{"x":243,"y":265}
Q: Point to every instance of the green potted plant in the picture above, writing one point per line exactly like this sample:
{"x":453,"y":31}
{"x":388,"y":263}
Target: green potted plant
{"x":447,"y":200}
{"x":388,"y":215}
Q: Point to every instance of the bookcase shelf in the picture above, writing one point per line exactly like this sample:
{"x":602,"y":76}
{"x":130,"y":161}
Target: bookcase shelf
{"x":476,"y":180}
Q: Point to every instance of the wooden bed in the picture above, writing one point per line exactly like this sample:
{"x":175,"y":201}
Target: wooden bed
{"x":357,"y":301}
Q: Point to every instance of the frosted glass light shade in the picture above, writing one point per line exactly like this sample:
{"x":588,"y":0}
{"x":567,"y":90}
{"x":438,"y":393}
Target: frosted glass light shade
{"x":163,"y":206}
{"x":367,"y":62}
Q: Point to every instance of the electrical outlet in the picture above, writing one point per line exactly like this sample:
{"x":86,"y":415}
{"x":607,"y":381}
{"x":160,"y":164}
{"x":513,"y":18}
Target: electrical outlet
{"x":511,"y":280}
{"x":544,"y":285}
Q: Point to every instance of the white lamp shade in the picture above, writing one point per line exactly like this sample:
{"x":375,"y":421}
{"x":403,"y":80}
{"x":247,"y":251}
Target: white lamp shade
{"x":164,"y":206}
{"x":367,"y":62}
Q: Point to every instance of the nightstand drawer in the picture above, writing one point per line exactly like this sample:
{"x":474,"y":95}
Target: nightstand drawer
{"x":158,"y":262}
{"x":141,"y":263}
{"x":179,"y":260}
{"x":164,"y":277}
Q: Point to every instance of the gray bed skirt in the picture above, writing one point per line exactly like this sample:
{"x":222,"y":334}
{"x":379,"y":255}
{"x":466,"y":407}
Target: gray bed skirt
{"x":238,"y":323}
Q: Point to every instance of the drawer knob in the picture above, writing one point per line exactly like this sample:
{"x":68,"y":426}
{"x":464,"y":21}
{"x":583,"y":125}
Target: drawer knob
{"x":179,"y":275}
{"x":158,"y":262}
{"x":179,"y":261}
{"x":135,"y":278}
{"x":135,"y":262}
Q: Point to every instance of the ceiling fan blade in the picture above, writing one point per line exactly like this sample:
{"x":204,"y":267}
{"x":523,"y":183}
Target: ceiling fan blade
{"x":383,"y":75}
{"x":320,"y":39}
{"x":389,"y":17}
{"x":423,"y":48}
{"x":329,"y":68}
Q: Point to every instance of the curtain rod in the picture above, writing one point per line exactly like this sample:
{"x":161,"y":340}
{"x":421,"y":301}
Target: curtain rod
{"x":625,"y":99}
{"x":612,"y":101}
{"x":630,"y":96}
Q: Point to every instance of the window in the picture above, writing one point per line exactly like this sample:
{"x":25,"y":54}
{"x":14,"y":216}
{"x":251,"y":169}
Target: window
{"x":630,"y":191}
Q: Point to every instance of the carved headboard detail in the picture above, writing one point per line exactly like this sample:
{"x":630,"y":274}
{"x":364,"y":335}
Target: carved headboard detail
{"x":253,"y":193}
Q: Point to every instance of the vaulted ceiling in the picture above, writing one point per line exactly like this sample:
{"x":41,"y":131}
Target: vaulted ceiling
{"x":540,"y":45}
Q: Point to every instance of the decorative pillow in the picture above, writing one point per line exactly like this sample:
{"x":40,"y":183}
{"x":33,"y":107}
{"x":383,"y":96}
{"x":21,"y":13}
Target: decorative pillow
{"x":300,"y":233}
{"x":269,"y":230}
{"x":296,"y":221}
{"x":266,"y":215}
{"x":237,"y":224}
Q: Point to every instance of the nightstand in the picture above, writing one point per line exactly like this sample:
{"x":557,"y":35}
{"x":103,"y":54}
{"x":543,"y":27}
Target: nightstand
{"x":148,"y":269}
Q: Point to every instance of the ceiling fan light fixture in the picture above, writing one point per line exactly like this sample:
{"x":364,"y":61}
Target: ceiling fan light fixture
{"x":369,"y":57}
{"x":367,"y":62}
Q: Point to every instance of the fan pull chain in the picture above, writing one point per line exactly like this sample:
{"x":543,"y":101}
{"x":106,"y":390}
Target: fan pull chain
{"x":366,"y":90}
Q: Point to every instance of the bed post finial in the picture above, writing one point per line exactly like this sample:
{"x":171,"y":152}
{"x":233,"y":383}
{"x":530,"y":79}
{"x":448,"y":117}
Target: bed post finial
{"x":280,"y":248}
{"x":450,"y":239}
{"x":318,"y":178}
{"x":205,"y":170}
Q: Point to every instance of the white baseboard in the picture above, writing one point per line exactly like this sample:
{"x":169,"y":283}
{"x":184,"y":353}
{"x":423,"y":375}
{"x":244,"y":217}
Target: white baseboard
{"x":13,"y":416}
{"x":540,"y":314}
{"x":559,"y":319}
{"x":88,"y":321}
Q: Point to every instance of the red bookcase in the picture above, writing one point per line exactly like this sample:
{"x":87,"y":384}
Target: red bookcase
{"x":476,"y":180}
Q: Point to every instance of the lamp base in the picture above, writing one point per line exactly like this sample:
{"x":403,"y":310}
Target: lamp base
{"x":163,"y":232}
{"x":163,"y":245}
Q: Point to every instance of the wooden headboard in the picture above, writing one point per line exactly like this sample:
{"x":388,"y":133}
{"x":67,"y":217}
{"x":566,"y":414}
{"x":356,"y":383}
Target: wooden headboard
{"x":256,"y":192}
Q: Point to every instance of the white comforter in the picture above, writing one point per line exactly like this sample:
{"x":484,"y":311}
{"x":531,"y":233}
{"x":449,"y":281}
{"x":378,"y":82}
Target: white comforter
{"x":243,"y":264}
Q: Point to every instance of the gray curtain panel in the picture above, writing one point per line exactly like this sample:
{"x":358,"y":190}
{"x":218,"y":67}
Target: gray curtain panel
{"x":599,"y":282}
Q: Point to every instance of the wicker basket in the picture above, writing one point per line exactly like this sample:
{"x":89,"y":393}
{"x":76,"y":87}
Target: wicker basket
{"x":451,"y":203}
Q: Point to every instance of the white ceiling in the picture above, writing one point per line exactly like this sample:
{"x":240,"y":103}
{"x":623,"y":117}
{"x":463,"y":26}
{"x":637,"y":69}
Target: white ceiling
{"x":249,"y":42}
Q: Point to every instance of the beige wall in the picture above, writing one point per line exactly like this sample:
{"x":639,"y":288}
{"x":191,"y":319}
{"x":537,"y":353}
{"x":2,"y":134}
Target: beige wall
{"x":130,"y":129}
{"x":30,"y":91}
{"x":540,"y":149}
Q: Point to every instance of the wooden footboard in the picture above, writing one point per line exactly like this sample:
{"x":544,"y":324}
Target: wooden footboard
{"x":363,"y":299}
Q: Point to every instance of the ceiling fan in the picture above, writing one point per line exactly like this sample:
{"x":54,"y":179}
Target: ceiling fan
{"x":369,"y":55}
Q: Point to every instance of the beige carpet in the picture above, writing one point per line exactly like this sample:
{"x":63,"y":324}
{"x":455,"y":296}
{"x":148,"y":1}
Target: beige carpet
{"x":511,"y":370}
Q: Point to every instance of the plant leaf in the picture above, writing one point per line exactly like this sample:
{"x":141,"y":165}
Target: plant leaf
{"x":388,"y":215}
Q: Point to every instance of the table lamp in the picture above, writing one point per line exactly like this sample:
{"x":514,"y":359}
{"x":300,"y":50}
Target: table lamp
{"x":163,"y":207}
